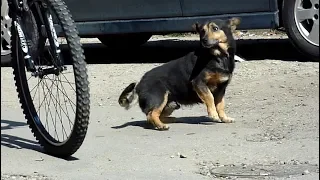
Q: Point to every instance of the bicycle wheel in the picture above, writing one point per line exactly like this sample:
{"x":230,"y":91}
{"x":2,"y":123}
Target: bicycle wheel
{"x":54,"y":102}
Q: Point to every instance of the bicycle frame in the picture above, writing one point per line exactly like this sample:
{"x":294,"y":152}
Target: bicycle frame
{"x":17,"y":8}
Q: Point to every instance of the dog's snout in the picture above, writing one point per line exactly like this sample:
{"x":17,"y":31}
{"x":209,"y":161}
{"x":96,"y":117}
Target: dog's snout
{"x":204,"y":40}
{"x":209,"y":42}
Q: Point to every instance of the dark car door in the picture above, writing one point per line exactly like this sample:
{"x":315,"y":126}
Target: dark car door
{"x":216,"y":7}
{"x":100,"y":10}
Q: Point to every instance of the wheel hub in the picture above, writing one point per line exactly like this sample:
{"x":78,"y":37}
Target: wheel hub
{"x":306,"y":16}
{"x":52,"y":70}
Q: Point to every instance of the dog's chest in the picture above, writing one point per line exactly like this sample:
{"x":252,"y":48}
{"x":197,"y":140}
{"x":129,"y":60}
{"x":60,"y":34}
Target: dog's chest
{"x":213,"y":79}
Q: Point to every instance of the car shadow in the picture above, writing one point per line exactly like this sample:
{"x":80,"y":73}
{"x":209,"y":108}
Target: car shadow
{"x":184,"y":120}
{"x":162,"y":51}
{"x":261,"y":49}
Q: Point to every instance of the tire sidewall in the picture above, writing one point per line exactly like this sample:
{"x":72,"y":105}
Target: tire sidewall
{"x":293,"y":32}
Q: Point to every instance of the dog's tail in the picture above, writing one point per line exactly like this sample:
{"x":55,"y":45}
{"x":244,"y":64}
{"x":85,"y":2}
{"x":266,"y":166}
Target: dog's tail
{"x":128,"y":96}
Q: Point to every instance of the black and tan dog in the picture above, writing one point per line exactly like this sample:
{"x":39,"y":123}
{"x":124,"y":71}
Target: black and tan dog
{"x":199,"y":77}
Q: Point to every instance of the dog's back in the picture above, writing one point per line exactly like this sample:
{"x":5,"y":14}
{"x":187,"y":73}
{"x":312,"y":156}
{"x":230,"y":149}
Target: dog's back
{"x":174,"y":76}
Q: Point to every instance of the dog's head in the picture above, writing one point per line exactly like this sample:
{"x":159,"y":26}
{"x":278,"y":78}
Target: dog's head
{"x":217,"y":33}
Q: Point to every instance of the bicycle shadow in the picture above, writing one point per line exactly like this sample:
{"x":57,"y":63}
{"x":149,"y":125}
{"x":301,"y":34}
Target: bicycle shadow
{"x":15,"y":142}
{"x":203,"y":120}
{"x":11,"y":124}
{"x":19,"y":143}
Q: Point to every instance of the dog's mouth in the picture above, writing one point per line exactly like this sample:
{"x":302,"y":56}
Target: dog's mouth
{"x":210,"y":43}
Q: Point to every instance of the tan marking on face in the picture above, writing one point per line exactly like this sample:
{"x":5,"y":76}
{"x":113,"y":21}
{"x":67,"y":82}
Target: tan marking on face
{"x":224,"y":47}
{"x":218,"y":35}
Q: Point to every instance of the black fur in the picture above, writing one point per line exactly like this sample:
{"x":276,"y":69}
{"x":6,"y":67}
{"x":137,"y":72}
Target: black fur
{"x":178,"y":77}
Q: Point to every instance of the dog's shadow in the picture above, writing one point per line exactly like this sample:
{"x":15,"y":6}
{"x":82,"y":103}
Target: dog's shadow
{"x":185,"y":120}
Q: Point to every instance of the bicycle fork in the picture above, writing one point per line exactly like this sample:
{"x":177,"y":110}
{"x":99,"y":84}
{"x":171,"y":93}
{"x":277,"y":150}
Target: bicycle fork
{"x":24,"y":46}
{"x":50,"y":33}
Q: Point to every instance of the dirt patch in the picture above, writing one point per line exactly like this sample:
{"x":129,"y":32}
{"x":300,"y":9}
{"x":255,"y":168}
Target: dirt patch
{"x":23,"y":177}
{"x":242,"y":34}
{"x":278,"y":169}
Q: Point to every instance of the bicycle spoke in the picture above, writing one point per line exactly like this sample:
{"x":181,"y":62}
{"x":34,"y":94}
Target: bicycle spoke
{"x":45,"y":109}
{"x":62,"y":127}
{"x":39,"y":101}
{"x":34,"y":95}
{"x":59,"y":80}
{"x":65,"y":104}
{"x":60,"y":106}
{"x":35,"y":86}
{"x":48,"y":103}
{"x":55,"y":129}
{"x":68,"y":82}
{"x":49,"y":98}
{"x":64,"y":93}
{"x":45,"y":96}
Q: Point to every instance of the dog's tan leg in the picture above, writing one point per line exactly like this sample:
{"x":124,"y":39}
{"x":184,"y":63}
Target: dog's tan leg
{"x":219,"y":102}
{"x":207,"y":98}
{"x":154,"y":116}
{"x":168,"y":119}
{"x":164,"y":117}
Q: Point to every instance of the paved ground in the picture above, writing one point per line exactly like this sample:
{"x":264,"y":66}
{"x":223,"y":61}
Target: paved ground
{"x":276,"y":134}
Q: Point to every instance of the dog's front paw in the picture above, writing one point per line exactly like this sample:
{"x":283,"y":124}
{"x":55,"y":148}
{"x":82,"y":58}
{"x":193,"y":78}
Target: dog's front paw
{"x":163,"y":127}
{"x":214,"y":118}
{"x":227,"y":120}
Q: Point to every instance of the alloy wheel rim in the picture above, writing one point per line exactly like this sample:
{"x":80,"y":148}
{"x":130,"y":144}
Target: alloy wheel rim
{"x":306,"y":14}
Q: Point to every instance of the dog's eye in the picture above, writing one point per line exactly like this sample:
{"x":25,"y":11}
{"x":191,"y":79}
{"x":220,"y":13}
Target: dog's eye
{"x":215,"y":28}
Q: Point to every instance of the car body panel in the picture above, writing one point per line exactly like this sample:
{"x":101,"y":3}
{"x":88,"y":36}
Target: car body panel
{"x":167,"y":25}
{"x":103,"y":10}
{"x":218,"y":7}
{"x":98,"y":17}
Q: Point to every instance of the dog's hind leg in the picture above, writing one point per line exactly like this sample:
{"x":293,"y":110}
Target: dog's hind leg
{"x":153,"y":116}
{"x":167,"y":111}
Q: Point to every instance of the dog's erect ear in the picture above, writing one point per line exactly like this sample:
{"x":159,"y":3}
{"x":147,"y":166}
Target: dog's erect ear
{"x":195,"y":27}
{"x":234,"y":23}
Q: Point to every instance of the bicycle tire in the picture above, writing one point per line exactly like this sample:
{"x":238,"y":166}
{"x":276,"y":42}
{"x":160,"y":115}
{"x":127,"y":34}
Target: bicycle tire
{"x":80,"y":126}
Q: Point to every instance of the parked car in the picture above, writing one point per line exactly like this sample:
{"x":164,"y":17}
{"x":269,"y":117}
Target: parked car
{"x":132,"y":23}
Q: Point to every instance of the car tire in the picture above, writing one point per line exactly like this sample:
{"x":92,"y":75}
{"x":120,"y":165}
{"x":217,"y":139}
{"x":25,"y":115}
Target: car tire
{"x":124,"y":40}
{"x":296,"y":29}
